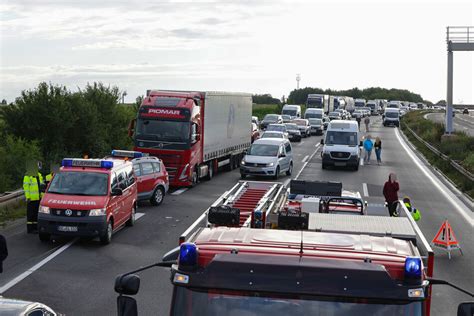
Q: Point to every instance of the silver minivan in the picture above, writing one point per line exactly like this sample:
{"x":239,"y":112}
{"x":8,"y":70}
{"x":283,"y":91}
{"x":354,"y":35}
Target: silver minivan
{"x":268,"y":157}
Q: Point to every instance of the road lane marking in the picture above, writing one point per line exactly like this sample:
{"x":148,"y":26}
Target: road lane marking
{"x":25,"y":274}
{"x":286,"y":182}
{"x":304,"y":165}
{"x":305,"y":158}
{"x":364,"y":187}
{"x":436,"y":182}
{"x":139,"y":215}
{"x":178,"y":192}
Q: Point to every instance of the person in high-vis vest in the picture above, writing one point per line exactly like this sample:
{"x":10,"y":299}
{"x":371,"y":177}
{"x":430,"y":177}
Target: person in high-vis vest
{"x":32,"y":188}
{"x":415,"y":213}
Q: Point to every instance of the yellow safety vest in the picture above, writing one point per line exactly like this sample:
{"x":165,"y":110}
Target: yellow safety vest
{"x":31,"y":187}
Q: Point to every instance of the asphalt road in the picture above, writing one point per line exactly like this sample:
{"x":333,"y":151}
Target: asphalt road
{"x":79,"y":280}
{"x":461,"y":122}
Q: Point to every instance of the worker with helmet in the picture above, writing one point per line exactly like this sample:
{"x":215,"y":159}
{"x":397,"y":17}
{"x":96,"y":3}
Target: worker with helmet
{"x":32,"y":186}
{"x":415,"y":213}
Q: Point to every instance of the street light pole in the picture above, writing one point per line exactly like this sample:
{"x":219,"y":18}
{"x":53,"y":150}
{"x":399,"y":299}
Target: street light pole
{"x":298,"y":78}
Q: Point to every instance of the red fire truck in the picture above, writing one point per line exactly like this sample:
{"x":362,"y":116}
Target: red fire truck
{"x":193,"y":133}
{"x":249,"y":255}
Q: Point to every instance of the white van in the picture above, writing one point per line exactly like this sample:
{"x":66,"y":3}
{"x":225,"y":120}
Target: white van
{"x":341,"y":145}
{"x":391,"y":116}
{"x":314,"y":113}
{"x":294,"y":111}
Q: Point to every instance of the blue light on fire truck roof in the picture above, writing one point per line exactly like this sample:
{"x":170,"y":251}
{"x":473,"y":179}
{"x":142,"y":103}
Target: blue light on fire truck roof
{"x":413,"y":267}
{"x":127,"y":153}
{"x":89,"y":163}
{"x":188,"y":255}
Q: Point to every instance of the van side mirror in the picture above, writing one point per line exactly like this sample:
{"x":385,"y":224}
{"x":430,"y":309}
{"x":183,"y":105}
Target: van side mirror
{"x":466,"y":309}
{"x":322,"y":141}
{"x":117,"y":192}
{"x":128,"y":284}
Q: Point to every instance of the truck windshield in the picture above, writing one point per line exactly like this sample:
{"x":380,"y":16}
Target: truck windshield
{"x":232,"y":303}
{"x":341,"y":138}
{"x":263,"y":150}
{"x":314,"y":103}
{"x":79,"y":183}
{"x":158,"y":130}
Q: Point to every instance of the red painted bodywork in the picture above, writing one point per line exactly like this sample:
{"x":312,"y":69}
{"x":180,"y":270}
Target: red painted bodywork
{"x":176,"y":160}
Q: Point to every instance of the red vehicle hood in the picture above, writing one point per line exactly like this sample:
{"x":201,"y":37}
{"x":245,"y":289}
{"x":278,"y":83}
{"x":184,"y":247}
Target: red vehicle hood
{"x":74,"y":202}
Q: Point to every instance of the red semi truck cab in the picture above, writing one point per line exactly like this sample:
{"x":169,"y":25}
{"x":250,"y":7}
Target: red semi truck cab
{"x":193,"y":133}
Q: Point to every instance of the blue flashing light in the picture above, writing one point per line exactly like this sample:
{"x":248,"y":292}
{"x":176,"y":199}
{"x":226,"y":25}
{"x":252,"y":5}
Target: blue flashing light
{"x":413,"y":267}
{"x":188,"y":255}
{"x":66,"y":162}
{"x":107,"y":164}
{"x":257,"y":215}
{"x":127,"y":153}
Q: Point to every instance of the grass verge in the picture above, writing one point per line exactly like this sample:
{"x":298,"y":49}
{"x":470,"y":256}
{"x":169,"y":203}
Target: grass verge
{"x":11,"y":212}
{"x":459,"y":148}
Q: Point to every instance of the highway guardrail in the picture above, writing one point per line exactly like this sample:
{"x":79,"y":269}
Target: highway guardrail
{"x":433,"y":149}
{"x":10,"y":197}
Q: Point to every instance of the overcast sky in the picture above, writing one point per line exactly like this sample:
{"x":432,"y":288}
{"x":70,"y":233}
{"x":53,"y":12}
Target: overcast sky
{"x":249,"y":46}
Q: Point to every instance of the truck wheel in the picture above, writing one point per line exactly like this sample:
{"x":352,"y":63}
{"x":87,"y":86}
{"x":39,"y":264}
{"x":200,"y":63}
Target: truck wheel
{"x":290,"y":169}
{"x":157,"y":197}
{"x":210,"y":171}
{"x":277,"y":173}
{"x":106,"y":238}
{"x":131,"y":220}
{"x":44,"y":237}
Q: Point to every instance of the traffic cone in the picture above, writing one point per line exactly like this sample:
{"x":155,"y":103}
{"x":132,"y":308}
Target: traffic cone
{"x":446,"y":239}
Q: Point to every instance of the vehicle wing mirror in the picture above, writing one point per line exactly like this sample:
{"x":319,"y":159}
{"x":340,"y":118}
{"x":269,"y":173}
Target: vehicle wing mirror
{"x":126,"y":306}
{"x":128,"y":284}
{"x":466,"y":309}
{"x":322,"y":141}
{"x":117,"y":192}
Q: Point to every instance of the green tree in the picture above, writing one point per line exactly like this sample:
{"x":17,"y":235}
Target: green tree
{"x":265,"y":99}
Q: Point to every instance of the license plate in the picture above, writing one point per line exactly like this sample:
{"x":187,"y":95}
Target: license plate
{"x":67,"y":228}
{"x":340,"y":164}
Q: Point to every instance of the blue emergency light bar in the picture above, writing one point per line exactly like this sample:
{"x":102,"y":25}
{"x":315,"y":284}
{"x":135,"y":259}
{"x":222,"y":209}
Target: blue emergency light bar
{"x":413,"y":268}
{"x":126,"y":153}
{"x":89,"y":163}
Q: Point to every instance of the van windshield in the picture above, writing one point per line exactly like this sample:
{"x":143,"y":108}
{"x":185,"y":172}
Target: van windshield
{"x":291,"y":112}
{"x":341,"y":138}
{"x":79,"y":183}
{"x":391,"y":114}
{"x":263,"y":150}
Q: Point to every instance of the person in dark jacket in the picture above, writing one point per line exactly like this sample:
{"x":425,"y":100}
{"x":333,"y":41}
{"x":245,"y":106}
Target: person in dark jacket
{"x":378,"y":149}
{"x":390,"y":192}
{"x":3,"y":251}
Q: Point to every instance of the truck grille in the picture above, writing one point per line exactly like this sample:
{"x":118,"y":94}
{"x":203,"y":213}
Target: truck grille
{"x":65,"y":212}
{"x":340,"y":155}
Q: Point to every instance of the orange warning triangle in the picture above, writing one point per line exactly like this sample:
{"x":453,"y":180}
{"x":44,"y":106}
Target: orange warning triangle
{"x":445,"y":236}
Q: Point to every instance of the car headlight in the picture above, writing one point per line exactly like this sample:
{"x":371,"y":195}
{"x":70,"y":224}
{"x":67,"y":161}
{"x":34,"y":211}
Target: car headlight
{"x":97,"y":212}
{"x":271,"y":164}
{"x":242,"y":162}
{"x":44,"y":210}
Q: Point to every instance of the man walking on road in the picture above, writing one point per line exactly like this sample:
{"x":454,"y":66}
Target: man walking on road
{"x":368,"y":145}
{"x":367,"y":122}
{"x":390,"y":192}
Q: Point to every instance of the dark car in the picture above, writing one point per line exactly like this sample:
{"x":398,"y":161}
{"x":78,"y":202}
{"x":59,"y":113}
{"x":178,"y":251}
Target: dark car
{"x":270,"y":119}
{"x":294,"y":133}
{"x":303,"y":125}
{"x":465,"y":111}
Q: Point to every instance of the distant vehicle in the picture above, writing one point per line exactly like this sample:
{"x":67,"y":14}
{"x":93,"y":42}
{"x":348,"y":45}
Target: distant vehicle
{"x":317,"y":126}
{"x":255,"y":132}
{"x":294,"y":132}
{"x":14,"y":307}
{"x":391,"y":116}
{"x":255,"y":120}
{"x":413,"y":106}
{"x":270,"y":119}
{"x":152,"y":177}
{"x":279,"y":128}
{"x":294,"y":111}
{"x":286,"y":118}
{"x":313,"y":113}
{"x":465,"y":111}
{"x":394,"y":105}
{"x":344,"y":114}
{"x":303,"y":125}
{"x":273,"y":134}
{"x":358,"y":114}
{"x":341,"y":145}
{"x":360,"y":103}
{"x":335,"y":116}
{"x":421,"y":106}
{"x":268,"y":157}
{"x":326,"y":121}
{"x":374,"y":107}
{"x":320,"y":101}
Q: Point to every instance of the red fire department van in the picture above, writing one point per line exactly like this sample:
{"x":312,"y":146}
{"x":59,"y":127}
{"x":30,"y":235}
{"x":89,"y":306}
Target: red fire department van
{"x":248,"y":255}
{"x":151,"y":174}
{"x":89,"y":198}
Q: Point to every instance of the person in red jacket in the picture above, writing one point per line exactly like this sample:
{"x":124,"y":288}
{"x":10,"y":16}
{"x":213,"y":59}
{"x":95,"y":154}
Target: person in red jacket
{"x":390,"y":192}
